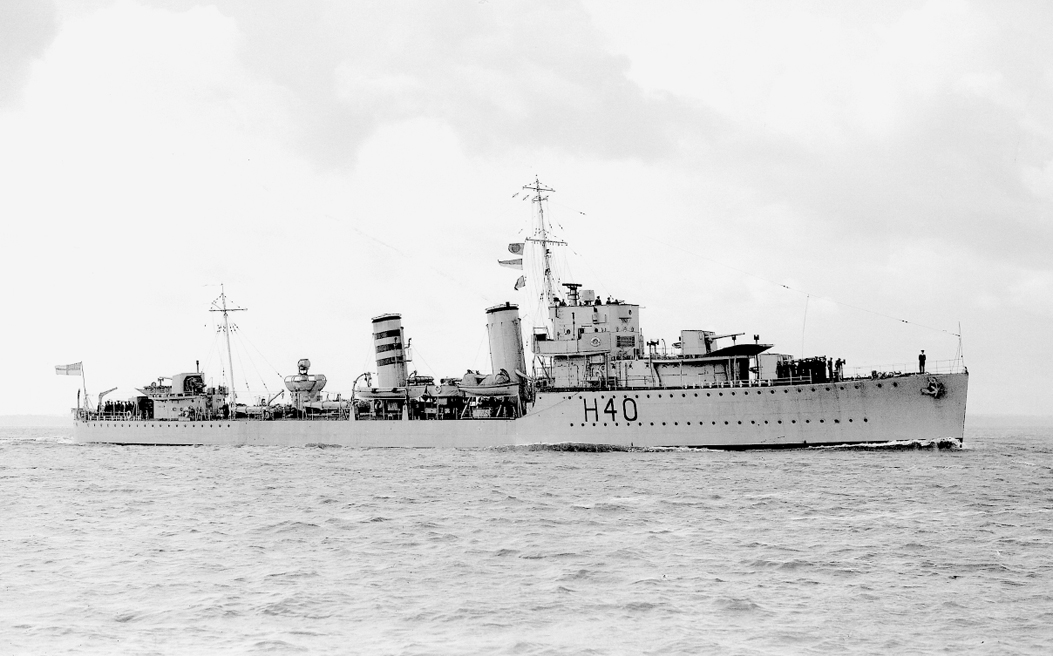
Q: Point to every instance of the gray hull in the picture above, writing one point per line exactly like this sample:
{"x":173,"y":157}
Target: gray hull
{"x":844,"y":412}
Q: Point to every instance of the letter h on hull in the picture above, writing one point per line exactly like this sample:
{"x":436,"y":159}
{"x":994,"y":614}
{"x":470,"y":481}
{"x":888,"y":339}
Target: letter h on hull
{"x":595,"y":409}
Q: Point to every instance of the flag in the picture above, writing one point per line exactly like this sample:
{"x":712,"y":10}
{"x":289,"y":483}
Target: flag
{"x":68,"y":369}
{"x":512,"y":264}
{"x":516,"y":248}
{"x":521,"y":283}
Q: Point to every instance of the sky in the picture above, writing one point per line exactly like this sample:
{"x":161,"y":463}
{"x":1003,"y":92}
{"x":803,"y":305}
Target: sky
{"x":849,"y":179}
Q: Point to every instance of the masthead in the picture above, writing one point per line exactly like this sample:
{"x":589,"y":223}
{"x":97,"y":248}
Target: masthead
{"x":541,"y":238}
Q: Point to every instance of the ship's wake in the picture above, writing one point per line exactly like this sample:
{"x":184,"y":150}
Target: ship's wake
{"x":578,"y":447}
{"x":584,"y":447}
{"x":939,"y":444}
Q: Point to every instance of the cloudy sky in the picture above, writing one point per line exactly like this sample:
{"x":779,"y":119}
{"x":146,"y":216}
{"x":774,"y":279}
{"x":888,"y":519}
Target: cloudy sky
{"x":844,"y":179}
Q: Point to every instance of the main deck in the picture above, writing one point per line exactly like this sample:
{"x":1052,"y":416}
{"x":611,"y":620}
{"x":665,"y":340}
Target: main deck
{"x":734,"y":417}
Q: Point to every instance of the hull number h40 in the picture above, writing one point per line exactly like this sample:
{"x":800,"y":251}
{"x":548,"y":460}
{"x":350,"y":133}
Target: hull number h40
{"x":627,"y":409}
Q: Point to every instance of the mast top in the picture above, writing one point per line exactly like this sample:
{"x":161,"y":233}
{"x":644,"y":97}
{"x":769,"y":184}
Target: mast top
{"x":542,"y":239}
{"x":538,"y":188}
{"x":222,"y":300}
{"x":541,"y":229}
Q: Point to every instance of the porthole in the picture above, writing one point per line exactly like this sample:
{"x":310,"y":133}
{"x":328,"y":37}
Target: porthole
{"x":850,"y":420}
{"x":813,"y":389}
{"x":807,"y":421}
{"x":648,"y":396}
{"x":708,"y":394}
{"x":725,"y":423}
{"x":771,"y":391}
{"x":733,"y":394}
{"x":714,"y":423}
{"x":895,"y":384}
{"x":652,"y":423}
{"x":684,"y":395}
{"x":740,"y":422}
{"x":793,"y":421}
{"x":822,"y":421}
{"x":856,"y":386}
{"x":837,"y":421}
{"x":720,"y":393}
{"x":676,"y":423}
{"x":786,"y":391}
{"x":879,"y":385}
{"x":827,"y":389}
{"x":752,"y":422}
{"x":780,"y":421}
{"x":696,"y":395}
{"x":865,"y":419}
{"x":663,"y":423}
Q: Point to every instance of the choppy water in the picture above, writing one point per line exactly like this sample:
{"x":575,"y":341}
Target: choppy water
{"x":246,"y":550}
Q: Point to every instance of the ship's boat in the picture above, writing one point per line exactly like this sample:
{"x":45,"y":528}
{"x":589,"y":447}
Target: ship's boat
{"x":393,"y":394}
{"x":494,"y":385}
{"x":593,"y":379}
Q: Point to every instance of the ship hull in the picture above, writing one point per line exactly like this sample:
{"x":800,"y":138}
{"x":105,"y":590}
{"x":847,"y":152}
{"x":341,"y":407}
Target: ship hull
{"x":860,"y":411}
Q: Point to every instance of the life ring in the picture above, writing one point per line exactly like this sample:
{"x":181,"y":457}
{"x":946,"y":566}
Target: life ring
{"x":595,"y":341}
{"x":128,"y":415}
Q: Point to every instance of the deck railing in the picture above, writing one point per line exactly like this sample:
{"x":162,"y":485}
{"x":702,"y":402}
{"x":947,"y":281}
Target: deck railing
{"x":955,"y":366}
{"x":849,"y":373}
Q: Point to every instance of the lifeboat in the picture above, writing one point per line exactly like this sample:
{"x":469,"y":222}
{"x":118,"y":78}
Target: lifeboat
{"x":500,"y":384}
{"x":394,"y":393}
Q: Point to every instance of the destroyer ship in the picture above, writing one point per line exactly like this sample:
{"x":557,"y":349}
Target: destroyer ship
{"x":594,"y":381}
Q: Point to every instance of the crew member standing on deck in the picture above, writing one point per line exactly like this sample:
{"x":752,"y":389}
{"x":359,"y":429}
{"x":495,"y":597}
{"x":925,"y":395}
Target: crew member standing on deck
{"x":921,"y":362}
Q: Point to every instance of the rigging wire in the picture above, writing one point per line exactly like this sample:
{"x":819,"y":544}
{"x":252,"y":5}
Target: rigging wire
{"x":241,"y":362}
{"x":460,"y":283}
{"x":479,"y":348}
{"x":417,"y":355}
{"x":260,"y":353}
{"x":242,"y":341}
{"x":772,"y":282}
{"x":592,"y":271}
{"x":801,"y":291}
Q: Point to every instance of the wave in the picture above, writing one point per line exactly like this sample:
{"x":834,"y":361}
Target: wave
{"x":943,"y":443}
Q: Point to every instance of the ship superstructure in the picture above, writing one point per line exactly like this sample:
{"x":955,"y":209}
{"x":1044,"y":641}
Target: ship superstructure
{"x":593,"y":379}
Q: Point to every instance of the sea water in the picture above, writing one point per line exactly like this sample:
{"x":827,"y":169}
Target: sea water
{"x":159,"y":550}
